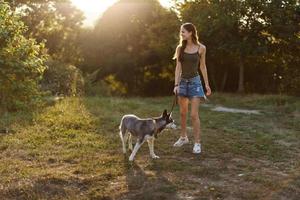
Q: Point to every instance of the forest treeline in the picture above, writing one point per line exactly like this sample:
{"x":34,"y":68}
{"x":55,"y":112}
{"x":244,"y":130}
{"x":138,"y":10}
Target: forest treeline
{"x":252,"y":47}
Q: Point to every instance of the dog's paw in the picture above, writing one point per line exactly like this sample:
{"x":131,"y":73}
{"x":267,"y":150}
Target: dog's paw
{"x":154,"y":156}
{"x":124,"y":150}
{"x":131,"y":159}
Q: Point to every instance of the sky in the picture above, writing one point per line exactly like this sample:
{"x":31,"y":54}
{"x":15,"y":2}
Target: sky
{"x":92,"y":9}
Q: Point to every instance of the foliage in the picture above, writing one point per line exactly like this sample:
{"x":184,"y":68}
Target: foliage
{"x":57,"y":22}
{"x":261,"y":36}
{"x":133,"y":42}
{"x":21,"y":63}
{"x":63,"y":79}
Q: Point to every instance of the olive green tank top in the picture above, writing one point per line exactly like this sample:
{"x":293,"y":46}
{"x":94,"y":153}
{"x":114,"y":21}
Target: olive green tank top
{"x":190,"y":65}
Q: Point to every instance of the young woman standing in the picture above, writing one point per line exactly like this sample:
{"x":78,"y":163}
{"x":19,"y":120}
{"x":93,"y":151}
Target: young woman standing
{"x":190,"y":56}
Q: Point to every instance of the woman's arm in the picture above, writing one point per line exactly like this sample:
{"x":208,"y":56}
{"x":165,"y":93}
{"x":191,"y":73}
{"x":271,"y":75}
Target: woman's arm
{"x":177,"y":71}
{"x":203,"y":65}
{"x":178,"y":67}
{"x":204,"y":69}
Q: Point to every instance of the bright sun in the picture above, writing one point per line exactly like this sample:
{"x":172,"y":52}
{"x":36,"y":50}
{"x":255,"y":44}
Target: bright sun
{"x":94,"y":8}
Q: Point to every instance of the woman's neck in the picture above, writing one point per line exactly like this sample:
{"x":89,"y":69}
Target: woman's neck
{"x":189,"y":42}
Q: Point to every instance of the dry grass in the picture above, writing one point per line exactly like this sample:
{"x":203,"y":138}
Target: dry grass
{"x":72,"y":151}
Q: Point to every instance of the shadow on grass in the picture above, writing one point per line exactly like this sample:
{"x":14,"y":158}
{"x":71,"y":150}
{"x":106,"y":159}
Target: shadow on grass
{"x":138,"y":184}
{"x":147,"y":186}
{"x":47,"y":188}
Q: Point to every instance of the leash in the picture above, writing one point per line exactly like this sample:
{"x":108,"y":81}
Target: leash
{"x":158,"y":130}
{"x":174,"y":102}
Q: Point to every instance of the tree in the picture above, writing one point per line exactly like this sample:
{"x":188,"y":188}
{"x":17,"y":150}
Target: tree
{"x":21,"y":63}
{"x":244,"y":36}
{"x":57,"y":22}
{"x":133,"y":43}
{"x":283,"y":34}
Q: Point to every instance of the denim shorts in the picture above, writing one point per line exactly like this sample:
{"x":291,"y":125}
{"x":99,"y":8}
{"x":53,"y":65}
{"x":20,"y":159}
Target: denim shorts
{"x":191,"y":87}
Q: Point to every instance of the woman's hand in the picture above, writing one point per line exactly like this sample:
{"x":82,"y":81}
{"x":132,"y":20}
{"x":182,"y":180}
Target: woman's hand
{"x":176,"y":90}
{"x":208,"y":91}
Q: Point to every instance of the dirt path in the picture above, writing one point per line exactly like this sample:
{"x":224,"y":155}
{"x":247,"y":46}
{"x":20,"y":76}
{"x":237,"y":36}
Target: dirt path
{"x":231,"y":110}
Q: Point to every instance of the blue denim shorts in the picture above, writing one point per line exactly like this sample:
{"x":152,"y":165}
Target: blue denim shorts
{"x":191,"y":87}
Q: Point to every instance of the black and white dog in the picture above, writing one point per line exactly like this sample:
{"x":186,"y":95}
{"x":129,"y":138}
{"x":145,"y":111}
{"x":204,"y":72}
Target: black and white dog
{"x":143,"y":129}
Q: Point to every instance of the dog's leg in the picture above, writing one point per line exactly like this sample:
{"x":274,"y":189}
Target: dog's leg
{"x":151,"y":147}
{"x":126,"y":135}
{"x":130,"y":142}
{"x":123,"y":142}
{"x":136,"y":148}
{"x":122,"y":133}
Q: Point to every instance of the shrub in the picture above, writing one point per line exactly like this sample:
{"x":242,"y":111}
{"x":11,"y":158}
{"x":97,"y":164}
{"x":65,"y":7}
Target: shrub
{"x":63,"y":79}
{"x":21,"y":63}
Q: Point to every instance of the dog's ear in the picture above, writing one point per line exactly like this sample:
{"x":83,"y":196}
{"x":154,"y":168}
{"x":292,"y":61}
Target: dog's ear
{"x":170,"y":115}
{"x":165,"y":113}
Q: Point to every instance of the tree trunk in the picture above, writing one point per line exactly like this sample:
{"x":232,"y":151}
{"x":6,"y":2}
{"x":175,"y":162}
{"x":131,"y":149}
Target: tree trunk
{"x":213,"y":80}
{"x":224,"y":80}
{"x":241,"y":88}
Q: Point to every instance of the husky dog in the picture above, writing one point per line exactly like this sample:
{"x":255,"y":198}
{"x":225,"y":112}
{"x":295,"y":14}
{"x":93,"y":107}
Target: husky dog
{"x":143,"y":129}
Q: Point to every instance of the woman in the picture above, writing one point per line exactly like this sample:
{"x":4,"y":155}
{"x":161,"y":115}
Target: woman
{"x":189,"y":55}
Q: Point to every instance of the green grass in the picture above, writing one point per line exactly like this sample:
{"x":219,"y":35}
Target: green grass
{"x":72,"y":150}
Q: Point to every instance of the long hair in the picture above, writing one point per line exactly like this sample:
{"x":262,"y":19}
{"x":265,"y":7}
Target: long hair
{"x":182,"y":43}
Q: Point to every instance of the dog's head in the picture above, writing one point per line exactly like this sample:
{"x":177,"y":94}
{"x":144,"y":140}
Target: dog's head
{"x":169,"y":121}
{"x":163,"y":121}
{"x":167,"y":117}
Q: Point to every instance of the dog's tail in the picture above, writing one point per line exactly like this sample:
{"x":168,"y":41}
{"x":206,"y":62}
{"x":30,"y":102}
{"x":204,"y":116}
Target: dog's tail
{"x":121,"y":123}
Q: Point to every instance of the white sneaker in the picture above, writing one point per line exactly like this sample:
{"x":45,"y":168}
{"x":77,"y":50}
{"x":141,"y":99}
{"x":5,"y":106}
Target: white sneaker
{"x":197,"y":148}
{"x":181,"y":141}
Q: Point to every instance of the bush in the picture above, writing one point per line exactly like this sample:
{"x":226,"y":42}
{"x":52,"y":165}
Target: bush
{"x":63,"y":79}
{"x":95,"y":87}
{"x":21,"y":63}
{"x":99,"y":88}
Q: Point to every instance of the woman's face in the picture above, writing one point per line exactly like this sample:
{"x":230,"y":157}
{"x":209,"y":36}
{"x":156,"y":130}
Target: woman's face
{"x":184,"y":33}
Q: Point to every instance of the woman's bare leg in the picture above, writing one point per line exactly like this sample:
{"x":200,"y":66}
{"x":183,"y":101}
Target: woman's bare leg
{"x":183,"y":105}
{"x":195,"y":118}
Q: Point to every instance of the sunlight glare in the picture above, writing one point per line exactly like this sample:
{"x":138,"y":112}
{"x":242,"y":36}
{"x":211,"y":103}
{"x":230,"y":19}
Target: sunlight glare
{"x":93,"y":9}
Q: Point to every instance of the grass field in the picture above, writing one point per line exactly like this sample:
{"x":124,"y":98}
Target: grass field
{"x":72,"y":150}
